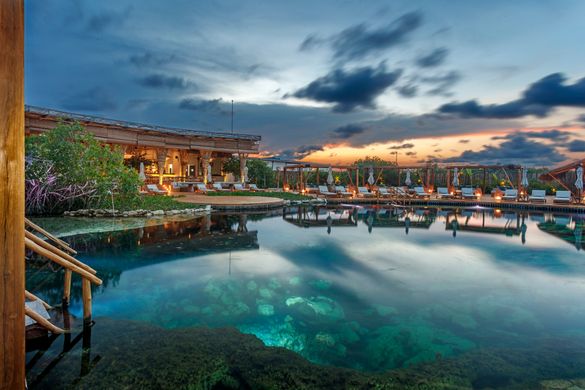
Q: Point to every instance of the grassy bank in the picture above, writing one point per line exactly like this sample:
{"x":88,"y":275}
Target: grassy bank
{"x":280,"y":195}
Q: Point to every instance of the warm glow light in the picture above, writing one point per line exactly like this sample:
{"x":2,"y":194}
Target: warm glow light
{"x":498,"y":197}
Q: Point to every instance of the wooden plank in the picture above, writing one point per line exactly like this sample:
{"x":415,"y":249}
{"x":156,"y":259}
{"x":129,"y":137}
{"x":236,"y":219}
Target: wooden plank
{"x":67,"y":287}
{"x":59,"y":252}
{"x":32,"y":297}
{"x":42,"y":321}
{"x":86,"y":292}
{"x":51,"y":237}
{"x":12,"y":353}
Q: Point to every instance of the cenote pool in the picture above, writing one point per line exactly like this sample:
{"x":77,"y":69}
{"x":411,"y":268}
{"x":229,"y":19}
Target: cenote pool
{"x":371,"y":289}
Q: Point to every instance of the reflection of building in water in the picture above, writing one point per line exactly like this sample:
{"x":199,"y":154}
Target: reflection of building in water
{"x":320,"y":216}
{"x":486,"y":221}
{"x":566,"y":227}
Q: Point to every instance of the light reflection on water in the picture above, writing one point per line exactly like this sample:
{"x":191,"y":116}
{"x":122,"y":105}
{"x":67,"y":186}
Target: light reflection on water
{"x":365,"y":288}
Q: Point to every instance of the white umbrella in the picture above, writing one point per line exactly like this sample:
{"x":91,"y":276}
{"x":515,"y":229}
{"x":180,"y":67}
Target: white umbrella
{"x":455,"y":177}
{"x":141,"y":174}
{"x":524,"y":177}
{"x":245,"y":179}
{"x":407,"y":181}
{"x":330,"y":176}
{"x":209,"y":175}
{"x":371,"y":179}
{"x":579,"y":181}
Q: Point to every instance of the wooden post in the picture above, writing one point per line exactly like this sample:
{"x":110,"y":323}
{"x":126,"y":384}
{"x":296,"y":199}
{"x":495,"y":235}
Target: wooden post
{"x":86,"y":292}
{"x":67,"y":287}
{"x":12,"y":353}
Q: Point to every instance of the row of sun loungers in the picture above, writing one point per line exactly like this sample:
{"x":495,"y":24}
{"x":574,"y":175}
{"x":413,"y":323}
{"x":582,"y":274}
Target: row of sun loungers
{"x":200,"y":187}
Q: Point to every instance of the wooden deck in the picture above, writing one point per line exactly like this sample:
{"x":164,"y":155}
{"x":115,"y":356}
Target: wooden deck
{"x":233,"y":203}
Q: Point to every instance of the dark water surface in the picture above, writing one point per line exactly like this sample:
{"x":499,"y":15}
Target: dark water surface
{"x":369,"y":289}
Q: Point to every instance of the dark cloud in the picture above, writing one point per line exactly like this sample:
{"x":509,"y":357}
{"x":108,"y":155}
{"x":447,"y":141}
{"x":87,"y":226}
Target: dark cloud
{"x":150,"y":59}
{"x":410,"y":154}
{"x":539,"y":99}
{"x":209,"y":106}
{"x":359,"y":41}
{"x":581,"y":118}
{"x":403,"y":146}
{"x":299,"y":153}
{"x":576,"y":146}
{"x":93,"y":99}
{"x":516,"y":148}
{"x":348,"y":131}
{"x":348,"y":90}
{"x":161,"y":81}
{"x":442,"y":83}
{"x":407,"y":91}
{"x":553,"y":135}
{"x":463,"y":141}
{"x":434,"y":58}
{"x":99,"y":22}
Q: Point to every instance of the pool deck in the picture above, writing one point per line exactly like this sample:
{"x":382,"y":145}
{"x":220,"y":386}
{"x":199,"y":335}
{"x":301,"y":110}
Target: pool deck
{"x":233,"y":203}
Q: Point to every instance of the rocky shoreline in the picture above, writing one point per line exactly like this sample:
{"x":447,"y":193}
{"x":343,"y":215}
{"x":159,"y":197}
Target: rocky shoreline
{"x":102,"y":213}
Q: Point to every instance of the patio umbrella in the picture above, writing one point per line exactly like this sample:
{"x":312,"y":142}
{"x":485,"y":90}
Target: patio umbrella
{"x":141,"y":174}
{"x":579,"y":181}
{"x":455,"y":177}
{"x":330,"y":176}
{"x":329,"y":223}
{"x":524,"y":177}
{"x":209,"y":176}
{"x":371,"y":179}
{"x":407,"y":181}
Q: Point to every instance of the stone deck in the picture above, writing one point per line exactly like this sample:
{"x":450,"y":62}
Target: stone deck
{"x":232,"y":202}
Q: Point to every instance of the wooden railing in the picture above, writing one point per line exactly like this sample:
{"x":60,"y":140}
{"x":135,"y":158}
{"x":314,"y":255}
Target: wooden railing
{"x":60,"y":254}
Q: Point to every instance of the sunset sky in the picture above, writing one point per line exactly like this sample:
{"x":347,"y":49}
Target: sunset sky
{"x":327,"y":81}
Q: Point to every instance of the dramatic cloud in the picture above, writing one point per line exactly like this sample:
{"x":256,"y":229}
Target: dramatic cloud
{"x":161,"y":81}
{"x":348,"y":131}
{"x":93,"y":99}
{"x":463,"y":141}
{"x":553,"y":135}
{"x":442,"y":83}
{"x":581,"y":118}
{"x":209,"y":106}
{"x":348,"y":90}
{"x":299,"y":153}
{"x":150,"y":59}
{"x":99,"y":22}
{"x":539,"y":99}
{"x":517,"y":148}
{"x":359,"y":41}
{"x":403,"y":146}
{"x":434,"y":58}
{"x":407,"y":91}
{"x":577,"y":146}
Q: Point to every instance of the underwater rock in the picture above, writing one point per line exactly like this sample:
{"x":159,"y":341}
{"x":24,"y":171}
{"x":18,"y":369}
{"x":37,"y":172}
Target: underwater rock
{"x":321,"y":284}
{"x":266,"y":309}
{"x":384,"y":311}
{"x":251,"y":285}
{"x":212,"y":289}
{"x":322,"y":307}
{"x":191,"y":309}
{"x":295,"y":281}
{"x":239,"y":308}
{"x":265,"y":293}
{"x":325,"y":338}
{"x":274,"y":284}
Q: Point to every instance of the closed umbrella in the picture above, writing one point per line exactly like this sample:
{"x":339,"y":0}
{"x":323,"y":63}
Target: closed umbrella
{"x":141,"y":174}
{"x":579,"y":181}
{"x":524,"y":177}
{"x":455,"y":177}
{"x":209,"y":175}
{"x":371,"y":179}
{"x":330,"y":176}
{"x":407,"y":181}
{"x":245,"y":179}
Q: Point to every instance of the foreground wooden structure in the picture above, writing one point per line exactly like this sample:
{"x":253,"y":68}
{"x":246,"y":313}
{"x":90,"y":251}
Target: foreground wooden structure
{"x":12,"y":353}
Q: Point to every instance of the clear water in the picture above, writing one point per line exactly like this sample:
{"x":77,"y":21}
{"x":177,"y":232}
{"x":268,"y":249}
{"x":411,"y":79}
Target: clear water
{"x":372,"y":289}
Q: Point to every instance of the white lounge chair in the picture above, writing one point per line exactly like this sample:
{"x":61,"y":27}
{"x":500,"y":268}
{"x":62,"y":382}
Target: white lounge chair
{"x":443,"y":192}
{"x":562,"y":197}
{"x":537,"y":196}
{"x":253,"y":187}
{"x":323,"y":190}
{"x":383,"y":192}
{"x":364,"y":193}
{"x":467,"y":193}
{"x":341,"y":190}
{"x":421,"y":193}
{"x":510,"y":194}
{"x":400,"y":191}
{"x":201,"y":187}
{"x":153,"y":188}
{"x":218,"y":187}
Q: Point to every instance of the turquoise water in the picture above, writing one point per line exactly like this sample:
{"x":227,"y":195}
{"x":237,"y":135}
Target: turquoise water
{"x":372,"y":289}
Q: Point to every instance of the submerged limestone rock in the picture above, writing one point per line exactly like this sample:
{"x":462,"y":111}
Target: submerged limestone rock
{"x":322,"y":307}
{"x":295,"y":281}
{"x":265,"y":309}
{"x":251,"y":285}
{"x":321,"y":284}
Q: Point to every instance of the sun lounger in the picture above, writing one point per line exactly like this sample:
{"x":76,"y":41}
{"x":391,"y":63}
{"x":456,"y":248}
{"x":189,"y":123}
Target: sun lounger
{"x":421,"y":193}
{"x":537,"y":196}
{"x":383,"y":192}
{"x":153,"y":188}
{"x":323,"y":190}
{"x":562,"y":220}
{"x":400,"y":191}
{"x":239,"y":187}
{"x":341,"y":190}
{"x":218,"y":187}
{"x":201,"y":187}
{"x":443,"y":192}
{"x":467,"y":193}
{"x":510,"y":194}
{"x":364,"y":193}
{"x":562,"y":197}
{"x":254,"y":187}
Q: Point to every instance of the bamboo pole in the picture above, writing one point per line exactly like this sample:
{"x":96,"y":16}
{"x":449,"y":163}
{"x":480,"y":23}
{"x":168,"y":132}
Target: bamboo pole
{"x":12,"y":353}
{"x":86,"y":292}
{"x":32,"y":297}
{"x":67,"y":287}
{"x":59,"y":252}
{"x":51,"y":237}
{"x":61,"y":261}
{"x":42,"y":321}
